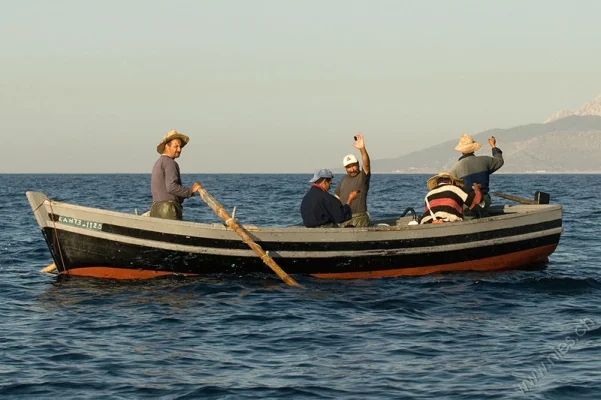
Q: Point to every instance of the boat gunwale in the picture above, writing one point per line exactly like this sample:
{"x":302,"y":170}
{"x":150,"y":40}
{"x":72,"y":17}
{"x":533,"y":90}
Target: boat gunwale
{"x":509,"y":212}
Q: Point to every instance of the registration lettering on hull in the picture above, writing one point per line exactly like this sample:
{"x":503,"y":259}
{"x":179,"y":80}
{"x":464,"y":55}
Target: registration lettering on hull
{"x":97,"y":226}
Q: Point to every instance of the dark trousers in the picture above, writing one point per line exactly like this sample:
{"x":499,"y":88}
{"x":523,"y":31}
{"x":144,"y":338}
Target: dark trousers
{"x":478,"y":211}
{"x":166,"y":209}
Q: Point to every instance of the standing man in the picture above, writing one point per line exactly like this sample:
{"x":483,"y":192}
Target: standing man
{"x":356,"y":179}
{"x":320,"y":209}
{"x":168,"y":194}
{"x":474,"y":169}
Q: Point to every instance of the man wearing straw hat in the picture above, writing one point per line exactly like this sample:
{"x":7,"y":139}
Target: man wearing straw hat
{"x":476,"y":169}
{"x":168,"y":193}
{"x":446,"y":199}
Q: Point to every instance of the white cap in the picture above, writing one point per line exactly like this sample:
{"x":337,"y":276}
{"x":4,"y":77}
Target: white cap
{"x":349,"y":159}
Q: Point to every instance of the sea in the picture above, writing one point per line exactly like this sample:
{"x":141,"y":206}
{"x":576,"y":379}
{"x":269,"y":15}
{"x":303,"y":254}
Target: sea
{"x":532,"y":333}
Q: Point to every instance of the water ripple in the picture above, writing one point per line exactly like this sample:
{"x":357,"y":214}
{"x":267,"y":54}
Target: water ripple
{"x":456,"y":335}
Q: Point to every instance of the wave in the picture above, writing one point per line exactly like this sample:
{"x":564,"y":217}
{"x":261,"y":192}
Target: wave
{"x":557,"y":285}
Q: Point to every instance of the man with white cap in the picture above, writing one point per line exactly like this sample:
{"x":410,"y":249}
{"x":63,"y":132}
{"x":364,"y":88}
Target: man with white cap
{"x":168,"y":193}
{"x":474,"y":169}
{"x":320,"y":209}
{"x":356,"y":179}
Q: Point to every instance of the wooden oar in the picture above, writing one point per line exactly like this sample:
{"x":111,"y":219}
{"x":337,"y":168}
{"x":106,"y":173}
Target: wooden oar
{"x":49,"y":268}
{"x":231,"y":222}
{"x":516,"y":198}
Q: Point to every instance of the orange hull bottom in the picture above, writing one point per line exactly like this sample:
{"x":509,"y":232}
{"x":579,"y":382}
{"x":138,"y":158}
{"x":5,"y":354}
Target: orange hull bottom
{"x":119,"y":273}
{"x":506,"y":261}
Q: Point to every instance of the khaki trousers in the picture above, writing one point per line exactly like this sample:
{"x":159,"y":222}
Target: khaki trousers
{"x":358,"y":220}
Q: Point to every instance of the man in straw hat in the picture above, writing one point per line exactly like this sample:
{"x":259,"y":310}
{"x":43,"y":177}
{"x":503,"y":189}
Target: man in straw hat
{"x":447,"y":198}
{"x":356,"y":179}
{"x":168,"y":194}
{"x":476,"y":169}
{"x":319,"y":209}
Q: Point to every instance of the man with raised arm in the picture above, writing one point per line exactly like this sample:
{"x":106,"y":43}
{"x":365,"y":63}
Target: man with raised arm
{"x":474,"y":169}
{"x":357,"y":179}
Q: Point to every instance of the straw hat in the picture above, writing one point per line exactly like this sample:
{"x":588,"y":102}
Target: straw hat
{"x":467,"y":145}
{"x":433,"y":182}
{"x":172,"y":134}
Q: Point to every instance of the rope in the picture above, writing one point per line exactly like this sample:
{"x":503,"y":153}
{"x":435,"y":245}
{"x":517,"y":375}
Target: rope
{"x":429,"y":209}
{"x":266,"y":254}
{"x":58,"y":243}
{"x":41,"y":204}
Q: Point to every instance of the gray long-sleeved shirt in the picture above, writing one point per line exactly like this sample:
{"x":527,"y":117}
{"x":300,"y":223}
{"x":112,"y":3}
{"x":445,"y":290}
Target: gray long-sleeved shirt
{"x":477,"y":169}
{"x":166,"y":183}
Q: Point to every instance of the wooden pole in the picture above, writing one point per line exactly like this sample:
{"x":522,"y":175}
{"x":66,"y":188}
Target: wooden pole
{"x":516,"y":198}
{"x":231,"y":222}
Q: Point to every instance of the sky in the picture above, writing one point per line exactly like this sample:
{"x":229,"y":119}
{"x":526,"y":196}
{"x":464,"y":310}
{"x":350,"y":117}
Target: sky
{"x":279,"y":86}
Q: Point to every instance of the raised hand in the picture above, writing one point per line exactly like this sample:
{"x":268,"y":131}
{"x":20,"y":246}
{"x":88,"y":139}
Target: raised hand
{"x":493,"y":142}
{"x":359,"y":144}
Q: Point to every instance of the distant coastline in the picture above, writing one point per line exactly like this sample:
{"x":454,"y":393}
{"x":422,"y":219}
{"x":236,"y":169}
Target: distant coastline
{"x":505,"y":173}
{"x":301,"y":173}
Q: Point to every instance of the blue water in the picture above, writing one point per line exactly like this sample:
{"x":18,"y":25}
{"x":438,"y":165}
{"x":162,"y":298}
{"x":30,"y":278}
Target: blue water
{"x":514,"y":334}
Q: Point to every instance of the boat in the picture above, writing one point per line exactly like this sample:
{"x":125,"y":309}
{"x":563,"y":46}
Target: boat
{"x":94,"y":242}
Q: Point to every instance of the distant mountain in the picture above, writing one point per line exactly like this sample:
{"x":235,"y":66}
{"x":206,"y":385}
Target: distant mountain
{"x":569,"y":144}
{"x":559,"y":115}
{"x":593,"y":107}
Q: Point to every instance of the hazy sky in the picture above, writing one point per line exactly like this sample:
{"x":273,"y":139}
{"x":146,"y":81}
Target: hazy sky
{"x":279,"y":85}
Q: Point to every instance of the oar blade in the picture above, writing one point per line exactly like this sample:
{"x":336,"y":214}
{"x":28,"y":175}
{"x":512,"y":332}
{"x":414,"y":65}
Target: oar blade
{"x":49,"y":269}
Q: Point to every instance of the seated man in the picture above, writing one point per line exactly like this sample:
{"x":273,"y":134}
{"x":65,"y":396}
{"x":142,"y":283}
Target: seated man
{"x":320,"y":209}
{"x":446,"y":198}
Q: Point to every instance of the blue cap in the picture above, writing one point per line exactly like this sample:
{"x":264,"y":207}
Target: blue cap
{"x":322,"y":173}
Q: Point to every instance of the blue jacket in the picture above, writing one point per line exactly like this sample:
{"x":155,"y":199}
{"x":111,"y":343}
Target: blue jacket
{"x":319,"y":208}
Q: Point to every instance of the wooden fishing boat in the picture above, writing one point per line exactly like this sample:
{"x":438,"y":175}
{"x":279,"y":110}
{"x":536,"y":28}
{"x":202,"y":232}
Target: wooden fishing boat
{"x":107,"y":244}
